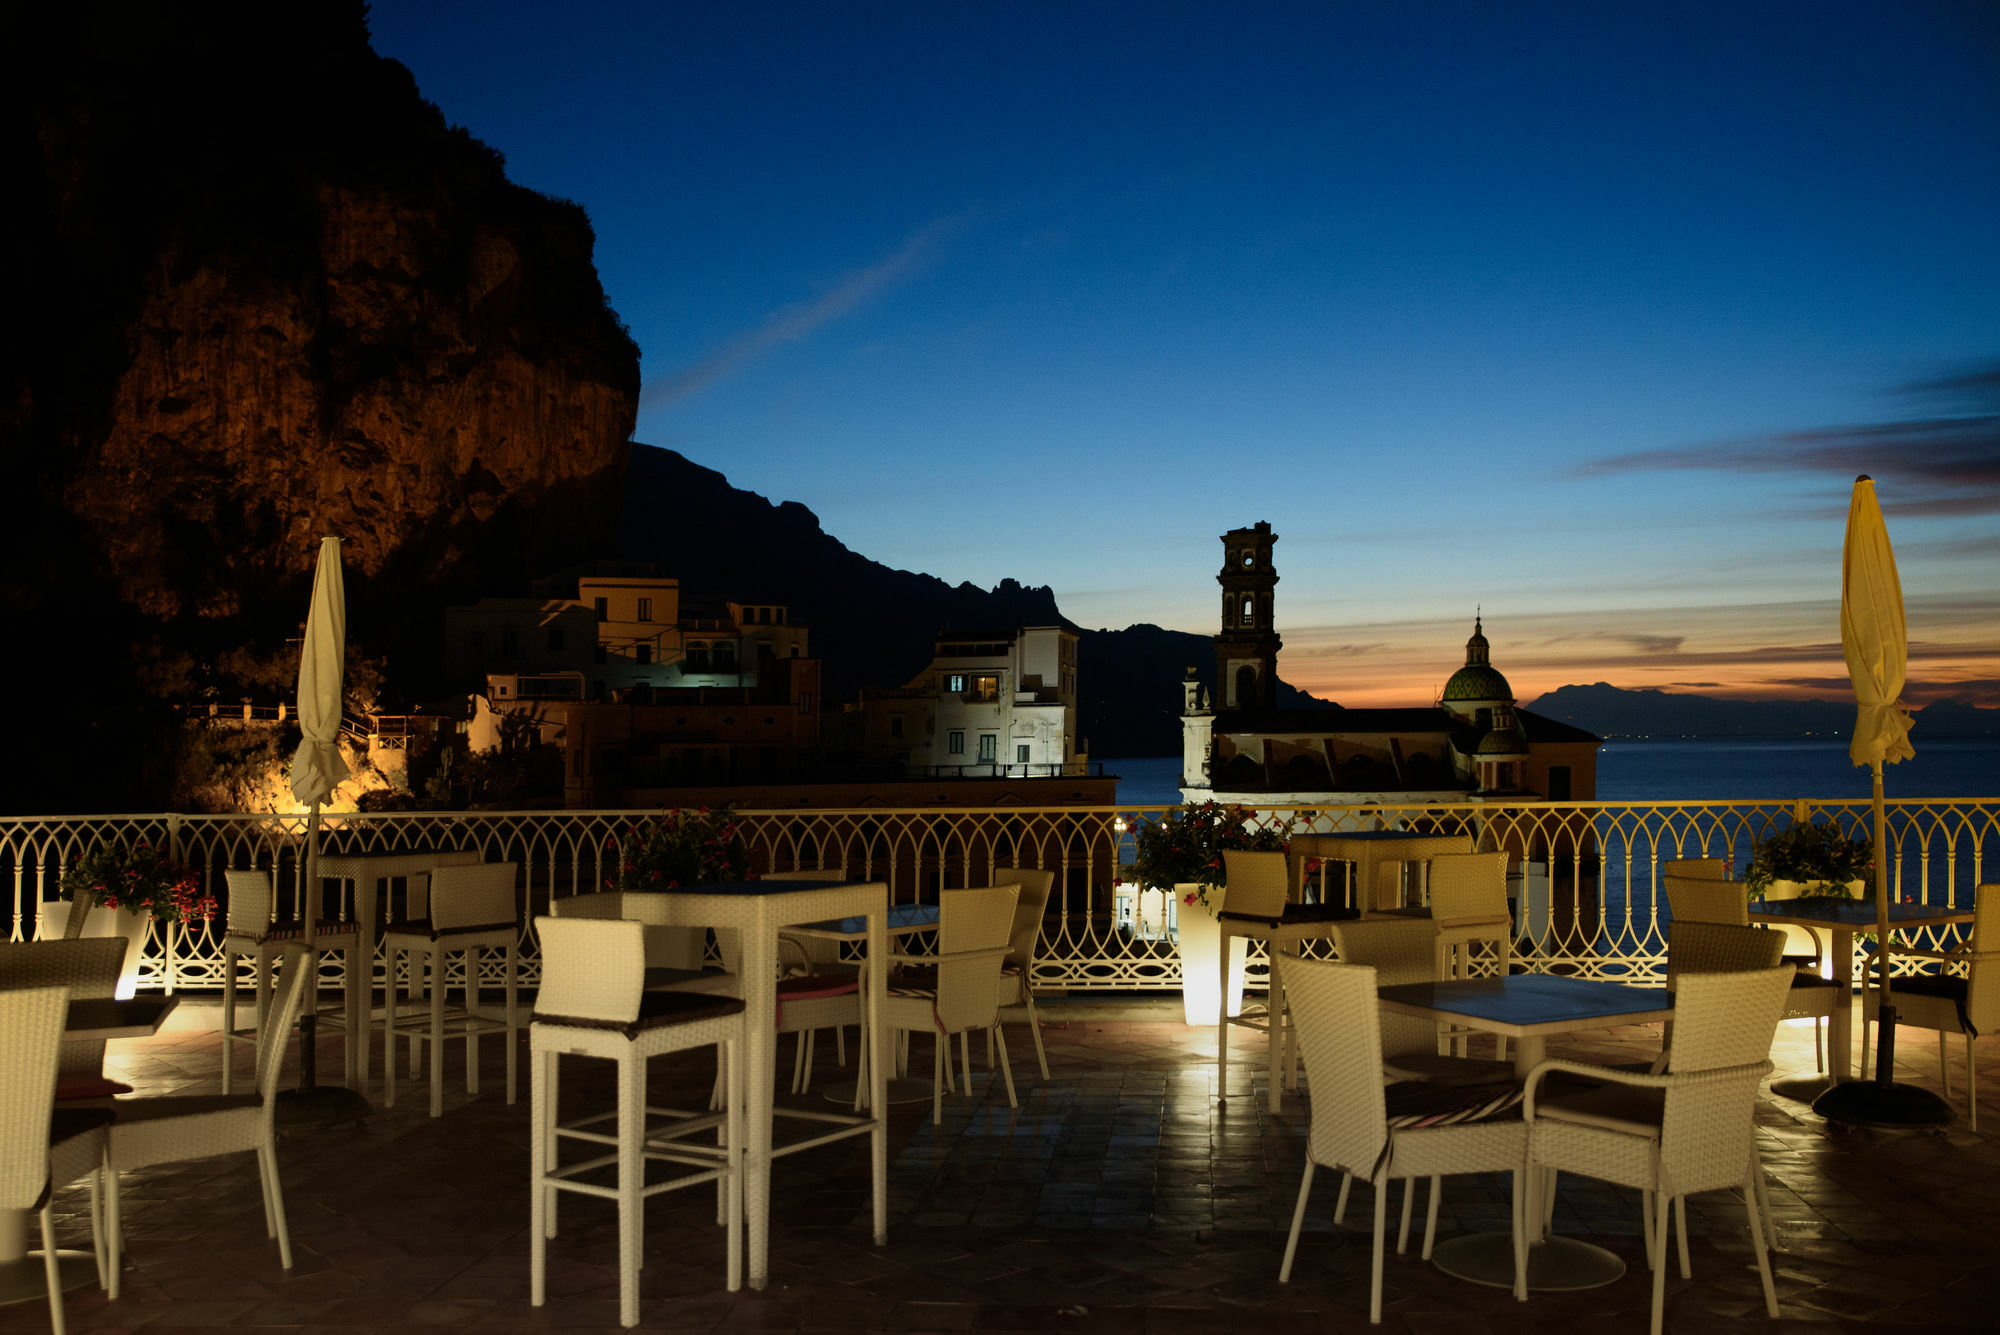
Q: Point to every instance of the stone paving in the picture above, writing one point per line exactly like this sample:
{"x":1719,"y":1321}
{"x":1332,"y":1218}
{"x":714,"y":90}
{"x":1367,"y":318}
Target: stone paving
{"x":1119,"y":1198}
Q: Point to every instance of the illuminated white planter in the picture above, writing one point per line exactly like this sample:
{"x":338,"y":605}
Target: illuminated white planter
{"x":1199,"y":938}
{"x":135,"y":925}
{"x":1798,"y":940}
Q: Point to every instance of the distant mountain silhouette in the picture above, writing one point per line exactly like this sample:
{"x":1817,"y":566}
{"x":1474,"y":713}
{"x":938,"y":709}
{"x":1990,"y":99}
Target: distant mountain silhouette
{"x":1612,"y":711}
{"x":874,"y":626}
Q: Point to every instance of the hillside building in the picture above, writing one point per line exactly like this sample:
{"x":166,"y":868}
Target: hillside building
{"x":991,"y":703}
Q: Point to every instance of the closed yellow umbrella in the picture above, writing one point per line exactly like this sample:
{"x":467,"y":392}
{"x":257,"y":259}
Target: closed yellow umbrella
{"x":1875,"y":639}
{"x":317,"y":766}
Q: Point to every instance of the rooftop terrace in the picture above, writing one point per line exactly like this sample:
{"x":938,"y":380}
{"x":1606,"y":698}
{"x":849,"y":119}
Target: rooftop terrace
{"x":1119,"y":1198}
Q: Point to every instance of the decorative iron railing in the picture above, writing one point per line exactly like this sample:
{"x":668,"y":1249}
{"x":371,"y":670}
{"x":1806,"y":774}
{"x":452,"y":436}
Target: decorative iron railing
{"x":1585,"y":874}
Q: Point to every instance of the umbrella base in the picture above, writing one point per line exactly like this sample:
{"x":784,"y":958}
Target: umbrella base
{"x":322,"y":1106}
{"x":1873,"y":1105}
{"x":1803,"y":1088}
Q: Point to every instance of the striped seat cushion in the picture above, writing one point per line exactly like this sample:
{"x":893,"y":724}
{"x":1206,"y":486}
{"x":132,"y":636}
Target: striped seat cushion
{"x":656,"y":1010}
{"x":429,"y":931}
{"x":292,"y":929}
{"x":1420,"y":1103}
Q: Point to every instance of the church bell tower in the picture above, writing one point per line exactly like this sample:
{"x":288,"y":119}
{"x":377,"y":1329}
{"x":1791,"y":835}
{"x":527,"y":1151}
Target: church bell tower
{"x":1246,"y":650}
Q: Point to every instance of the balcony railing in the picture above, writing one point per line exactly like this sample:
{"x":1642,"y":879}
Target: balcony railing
{"x":1586,"y":873}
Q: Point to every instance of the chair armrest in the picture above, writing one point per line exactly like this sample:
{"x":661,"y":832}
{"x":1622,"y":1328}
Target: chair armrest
{"x":1608,"y":1075}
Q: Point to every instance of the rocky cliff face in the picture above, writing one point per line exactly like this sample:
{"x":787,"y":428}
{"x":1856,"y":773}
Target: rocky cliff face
{"x":270,"y":294}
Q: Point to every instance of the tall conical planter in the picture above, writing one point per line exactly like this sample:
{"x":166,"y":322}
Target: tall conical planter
{"x":1198,"y":936}
{"x":1799,"y":941}
{"x":135,"y":925}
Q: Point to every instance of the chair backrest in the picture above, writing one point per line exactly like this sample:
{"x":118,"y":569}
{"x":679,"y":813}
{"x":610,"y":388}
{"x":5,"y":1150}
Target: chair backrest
{"x":592,"y":904}
{"x":88,"y":967}
{"x":1254,"y":883}
{"x":1030,"y":908}
{"x":1713,"y":947}
{"x":1704,"y":899}
{"x":295,"y":968}
{"x":250,"y":897}
{"x":1469,"y":888}
{"x":32,"y":1018}
{"x":592,"y":968}
{"x":1723,"y":1022}
{"x":474,"y":895}
{"x":80,"y":905}
{"x":968,"y":990}
{"x":1340,"y":1035}
{"x":1982,"y":974}
{"x":1703,"y":869}
{"x":1398,"y":950}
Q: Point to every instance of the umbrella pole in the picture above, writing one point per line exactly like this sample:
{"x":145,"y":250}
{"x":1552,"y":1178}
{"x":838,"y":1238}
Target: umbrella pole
{"x":309,"y":1017}
{"x":1885,"y":1007}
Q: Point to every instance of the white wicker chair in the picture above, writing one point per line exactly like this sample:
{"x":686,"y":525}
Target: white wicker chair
{"x":817,"y":957}
{"x":1684,"y":1131}
{"x":1710,"y":899}
{"x":956,"y":990}
{"x":1950,"y":1003}
{"x":594,"y":1003}
{"x":42,"y":1148}
{"x":1255,"y":907}
{"x":251,"y":932}
{"x":1375,"y":1132}
{"x":1404,"y":950}
{"x":472,"y":908}
{"x":88,"y":967}
{"x":1469,"y":913}
{"x":1017,"y":972}
{"x":177,"y":1128}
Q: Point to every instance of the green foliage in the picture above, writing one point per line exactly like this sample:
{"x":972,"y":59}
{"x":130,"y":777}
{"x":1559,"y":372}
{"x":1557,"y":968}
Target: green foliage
{"x":1809,"y":852}
{"x":1186,"y":845}
{"x":139,"y":876}
{"x":677,"y":848}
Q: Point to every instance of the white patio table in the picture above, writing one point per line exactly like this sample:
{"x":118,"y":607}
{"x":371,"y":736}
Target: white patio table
{"x":758,"y":909}
{"x":1528,"y":1008}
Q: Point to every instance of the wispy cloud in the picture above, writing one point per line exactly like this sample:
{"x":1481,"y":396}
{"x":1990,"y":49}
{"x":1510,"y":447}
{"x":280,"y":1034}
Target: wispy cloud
{"x":1637,"y":641}
{"x":1941,"y":464}
{"x":796,"y":321}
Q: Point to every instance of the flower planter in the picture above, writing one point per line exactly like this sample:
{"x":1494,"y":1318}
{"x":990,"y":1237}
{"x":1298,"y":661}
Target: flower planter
{"x":1198,"y":936}
{"x":135,"y":925}
{"x":1799,"y":941}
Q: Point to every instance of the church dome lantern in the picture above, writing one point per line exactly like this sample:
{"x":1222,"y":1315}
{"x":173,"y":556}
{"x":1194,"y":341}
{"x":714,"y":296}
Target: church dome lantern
{"x":1478,"y":682}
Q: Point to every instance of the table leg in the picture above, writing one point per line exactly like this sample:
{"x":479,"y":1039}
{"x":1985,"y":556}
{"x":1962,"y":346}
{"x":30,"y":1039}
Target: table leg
{"x":760,"y":1021}
{"x":1840,"y":1031}
{"x":24,"y":1277}
{"x":877,"y":1073}
{"x":1222,"y":1020}
{"x":1274,"y":1012}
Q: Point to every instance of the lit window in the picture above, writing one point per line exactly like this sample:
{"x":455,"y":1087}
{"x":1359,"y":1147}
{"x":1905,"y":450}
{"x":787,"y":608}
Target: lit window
{"x":954,"y":683}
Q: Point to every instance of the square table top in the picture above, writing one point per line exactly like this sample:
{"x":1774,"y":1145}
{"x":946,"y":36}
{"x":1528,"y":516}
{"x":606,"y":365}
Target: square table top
{"x":1530,"y":1003}
{"x":103,"y":1017}
{"x":1855,"y":913}
{"x":902,"y":918}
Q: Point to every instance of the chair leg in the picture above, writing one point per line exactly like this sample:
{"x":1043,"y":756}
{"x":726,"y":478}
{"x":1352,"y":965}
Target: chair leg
{"x":1763,"y":1196}
{"x":551,"y":1145}
{"x":1298,"y":1222}
{"x":1662,"y":1217}
{"x":114,"y":1240}
{"x":472,"y":954}
{"x":939,"y":1046}
{"x":267,"y":1164}
{"x":436,"y":1044}
{"x":1520,"y":1229}
{"x":840,"y":1045}
{"x":540,"y":1119}
{"x":989,"y":1052}
{"x":513,"y":1018}
{"x":1035,"y":1028}
{"x":1340,"y":1206}
{"x":1819,"y":1045}
{"x":965,"y":1057}
{"x":1971,"y":1086}
{"x":799,"y":1059}
{"x":1375,"y":1262}
{"x":1681,"y":1234}
{"x":1944,"y":1064}
{"x":53,"y":1268}
{"x":631,"y":1184}
{"x":1409,"y":1202}
{"x":95,"y":1183}
{"x":1006,"y":1064}
{"x":390,"y":1010}
{"x":732,"y":1062}
{"x":1757,"y":1241}
{"x":1431,"y":1214}
{"x":1646,"y":1223}
{"x":228,"y":1020}
{"x":812,"y":1051}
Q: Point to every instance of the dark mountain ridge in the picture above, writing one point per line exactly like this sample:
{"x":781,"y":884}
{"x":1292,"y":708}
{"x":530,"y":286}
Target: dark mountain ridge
{"x":1612,"y":711}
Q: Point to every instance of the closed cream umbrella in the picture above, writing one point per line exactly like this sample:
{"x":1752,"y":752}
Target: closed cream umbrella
{"x":1875,"y":639}
{"x":317,"y":767}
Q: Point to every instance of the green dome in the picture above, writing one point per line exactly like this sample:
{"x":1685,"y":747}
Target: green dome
{"x":1503,"y":742}
{"x":1477,"y":681}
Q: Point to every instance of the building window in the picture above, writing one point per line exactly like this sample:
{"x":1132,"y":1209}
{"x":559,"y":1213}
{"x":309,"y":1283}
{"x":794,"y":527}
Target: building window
{"x":954,"y":683}
{"x":645,"y":653}
{"x":1021,"y":753}
{"x":805,"y":702}
{"x":780,"y":615}
{"x":555,"y":637}
{"x":954,"y":742}
{"x":985,"y":688}
{"x":1249,"y":612}
{"x":645,"y":609}
{"x":989,"y":746}
{"x":603,"y":609}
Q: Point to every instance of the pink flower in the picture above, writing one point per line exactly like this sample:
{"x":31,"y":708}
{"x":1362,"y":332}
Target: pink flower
{"x":1190,"y":899}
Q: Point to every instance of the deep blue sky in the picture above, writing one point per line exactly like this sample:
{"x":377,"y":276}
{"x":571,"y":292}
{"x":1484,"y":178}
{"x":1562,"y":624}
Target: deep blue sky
{"x":1061,"y":292}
